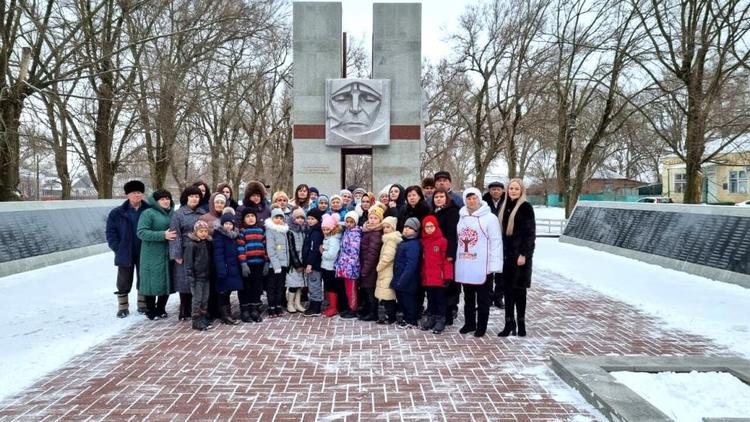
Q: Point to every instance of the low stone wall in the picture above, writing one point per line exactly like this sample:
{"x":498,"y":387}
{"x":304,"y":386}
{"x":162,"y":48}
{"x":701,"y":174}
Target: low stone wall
{"x":710,"y":241}
{"x":38,"y":234}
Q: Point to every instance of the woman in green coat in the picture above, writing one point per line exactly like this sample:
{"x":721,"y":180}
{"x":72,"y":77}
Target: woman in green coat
{"x":154,"y":232}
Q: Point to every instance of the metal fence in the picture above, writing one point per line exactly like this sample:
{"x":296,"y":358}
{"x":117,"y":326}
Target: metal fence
{"x":550,"y":227}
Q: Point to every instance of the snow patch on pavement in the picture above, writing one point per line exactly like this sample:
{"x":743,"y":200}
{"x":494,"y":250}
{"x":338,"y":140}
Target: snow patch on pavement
{"x":687,"y":302}
{"x":58,"y":312}
{"x":690,"y":397}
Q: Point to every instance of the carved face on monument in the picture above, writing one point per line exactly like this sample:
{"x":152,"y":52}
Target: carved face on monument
{"x":358,"y":112}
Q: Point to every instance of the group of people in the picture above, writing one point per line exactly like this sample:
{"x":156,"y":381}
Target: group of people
{"x":351,"y":254}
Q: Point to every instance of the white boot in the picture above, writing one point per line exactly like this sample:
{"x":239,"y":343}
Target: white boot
{"x":290,"y":302}
{"x":298,"y":301}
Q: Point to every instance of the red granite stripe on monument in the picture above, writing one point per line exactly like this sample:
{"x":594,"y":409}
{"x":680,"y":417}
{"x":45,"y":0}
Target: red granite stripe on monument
{"x":405,"y":132}
{"x":309,"y":131}
{"x":319,"y":132}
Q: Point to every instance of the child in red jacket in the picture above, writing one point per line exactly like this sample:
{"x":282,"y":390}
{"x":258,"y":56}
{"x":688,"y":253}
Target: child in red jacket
{"x":437,"y":272}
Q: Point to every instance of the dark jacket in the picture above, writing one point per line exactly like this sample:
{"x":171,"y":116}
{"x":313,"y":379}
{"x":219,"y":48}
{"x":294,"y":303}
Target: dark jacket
{"x":121,"y":236}
{"x":448,"y":221}
{"x":488,"y":199}
{"x":198,"y":256}
{"x":227,"y":262}
{"x":311,"y":247}
{"x":369,"y":255}
{"x":400,"y":203}
{"x":520,"y":242}
{"x":406,"y":276}
{"x":419,"y":211}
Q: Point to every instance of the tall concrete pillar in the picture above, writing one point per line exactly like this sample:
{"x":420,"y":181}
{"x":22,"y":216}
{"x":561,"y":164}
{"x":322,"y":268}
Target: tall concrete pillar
{"x":317,"y":57}
{"x":397,"y":55}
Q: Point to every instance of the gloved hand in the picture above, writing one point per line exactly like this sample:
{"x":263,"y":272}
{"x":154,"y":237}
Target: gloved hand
{"x":245,"y":271}
{"x":277,"y":271}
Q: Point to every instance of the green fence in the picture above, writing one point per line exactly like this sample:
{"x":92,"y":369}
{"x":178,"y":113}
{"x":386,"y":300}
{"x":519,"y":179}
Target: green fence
{"x":553,"y":200}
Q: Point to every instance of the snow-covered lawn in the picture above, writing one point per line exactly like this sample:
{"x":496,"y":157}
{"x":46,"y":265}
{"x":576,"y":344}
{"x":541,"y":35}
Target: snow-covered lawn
{"x":55,"y":313}
{"x":551,"y":213}
{"x":698,"y":305}
{"x":689,"y":397}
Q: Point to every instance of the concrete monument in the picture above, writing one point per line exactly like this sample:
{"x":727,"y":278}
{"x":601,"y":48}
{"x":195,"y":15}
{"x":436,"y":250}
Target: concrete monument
{"x":334,"y":117}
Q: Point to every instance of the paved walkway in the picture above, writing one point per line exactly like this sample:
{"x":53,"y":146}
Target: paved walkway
{"x":297,"y":368}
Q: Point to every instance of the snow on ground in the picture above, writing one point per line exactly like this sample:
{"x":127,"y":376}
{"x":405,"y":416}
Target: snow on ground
{"x":56,"y":313}
{"x":698,"y":305}
{"x":720,"y":394}
{"x":552,"y":213}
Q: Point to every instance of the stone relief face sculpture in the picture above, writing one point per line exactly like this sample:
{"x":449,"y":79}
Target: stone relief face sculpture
{"x":358,"y":111}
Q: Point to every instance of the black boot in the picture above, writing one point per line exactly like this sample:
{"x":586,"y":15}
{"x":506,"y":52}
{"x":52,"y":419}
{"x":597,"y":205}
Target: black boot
{"x":150,"y":302}
{"x":521,"y":327}
{"x":467,"y":329}
{"x":313,"y":309}
{"x":510,"y":328}
{"x":427,"y":322}
{"x":245,"y":313}
{"x":186,"y":304}
{"x":226,"y":315}
{"x":199,"y":323}
{"x":498,"y":301}
{"x":122,"y":305}
{"x":255,"y":313}
{"x":481,"y":324}
{"x":439,"y":325}
{"x":161,"y":307}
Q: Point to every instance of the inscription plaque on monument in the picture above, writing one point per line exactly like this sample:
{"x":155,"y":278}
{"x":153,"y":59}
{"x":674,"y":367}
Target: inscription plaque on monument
{"x":718,"y":241}
{"x":358,"y":112}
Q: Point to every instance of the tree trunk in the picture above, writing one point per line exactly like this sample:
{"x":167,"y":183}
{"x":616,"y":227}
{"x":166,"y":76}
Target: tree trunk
{"x":695,"y":143}
{"x":11,"y":109}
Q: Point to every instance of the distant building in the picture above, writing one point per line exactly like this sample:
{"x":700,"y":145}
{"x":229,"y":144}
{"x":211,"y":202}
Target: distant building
{"x":724,"y":177}
{"x":605,"y":181}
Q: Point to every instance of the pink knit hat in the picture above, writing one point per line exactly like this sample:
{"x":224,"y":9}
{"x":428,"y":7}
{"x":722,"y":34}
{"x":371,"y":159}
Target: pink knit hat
{"x":330,"y":221}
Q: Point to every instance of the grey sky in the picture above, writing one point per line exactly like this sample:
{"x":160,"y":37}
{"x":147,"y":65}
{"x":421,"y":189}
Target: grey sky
{"x":439,"y":17}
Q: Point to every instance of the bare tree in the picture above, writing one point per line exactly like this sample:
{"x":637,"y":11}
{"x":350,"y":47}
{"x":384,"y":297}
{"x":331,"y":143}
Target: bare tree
{"x":696,"y":48}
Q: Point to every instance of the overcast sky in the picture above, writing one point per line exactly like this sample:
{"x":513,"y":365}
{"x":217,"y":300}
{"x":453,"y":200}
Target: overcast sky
{"x":439,"y":17}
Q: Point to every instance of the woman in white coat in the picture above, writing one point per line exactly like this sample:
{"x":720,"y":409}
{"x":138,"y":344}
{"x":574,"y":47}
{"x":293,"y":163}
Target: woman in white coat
{"x":479,"y":254}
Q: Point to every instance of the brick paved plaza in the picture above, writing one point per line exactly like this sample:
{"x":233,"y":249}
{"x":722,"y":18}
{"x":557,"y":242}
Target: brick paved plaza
{"x":297,"y":368}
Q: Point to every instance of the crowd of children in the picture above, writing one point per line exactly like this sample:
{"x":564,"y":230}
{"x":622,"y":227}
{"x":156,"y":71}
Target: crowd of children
{"x":350,"y":254}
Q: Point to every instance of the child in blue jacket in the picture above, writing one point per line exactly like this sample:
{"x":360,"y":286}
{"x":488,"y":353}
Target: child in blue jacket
{"x":406,"y":276}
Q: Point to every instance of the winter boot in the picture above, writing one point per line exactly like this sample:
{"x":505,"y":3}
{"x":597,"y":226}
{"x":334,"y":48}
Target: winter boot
{"x":332,"y":305}
{"x":498,"y":301}
{"x":482,"y":320}
{"x":141,"y":304}
{"x":255,"y":313}
{"x":199,"y":323}
{"x":427,"y":322}
{"x":245,"y":313}
{"x":521,"y":327}
{"x":161,"y":307}
{"x":290,"y":302}
{"x":351,"y":294}
{"x":439,"y":325}
{"x":122,"y":305}
{"x":467,"y":328}
{"x":313,"y":310}
{"x":510,"y":328}
{"x":226,"y":315}
{"x":298,"y":301}
{"x":151,"y":307}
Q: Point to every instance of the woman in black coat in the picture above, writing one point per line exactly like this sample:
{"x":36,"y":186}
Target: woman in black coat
{"x":446,"y":212}
{"x":415,"y":206}
{"x":397,"y":198}
{"x":519,"y":235}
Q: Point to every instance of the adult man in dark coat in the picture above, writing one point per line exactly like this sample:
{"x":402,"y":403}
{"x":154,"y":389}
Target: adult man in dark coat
{"x":443,"y":180}
{"x":494,"y":198}
{"x":122,"y":224}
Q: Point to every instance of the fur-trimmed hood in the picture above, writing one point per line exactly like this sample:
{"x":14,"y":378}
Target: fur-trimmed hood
{"x":281,"y":228}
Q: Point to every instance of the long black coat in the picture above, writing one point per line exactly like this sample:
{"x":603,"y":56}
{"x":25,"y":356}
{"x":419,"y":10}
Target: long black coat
{"x":448,"y":221}
{"x":520,"y":242}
